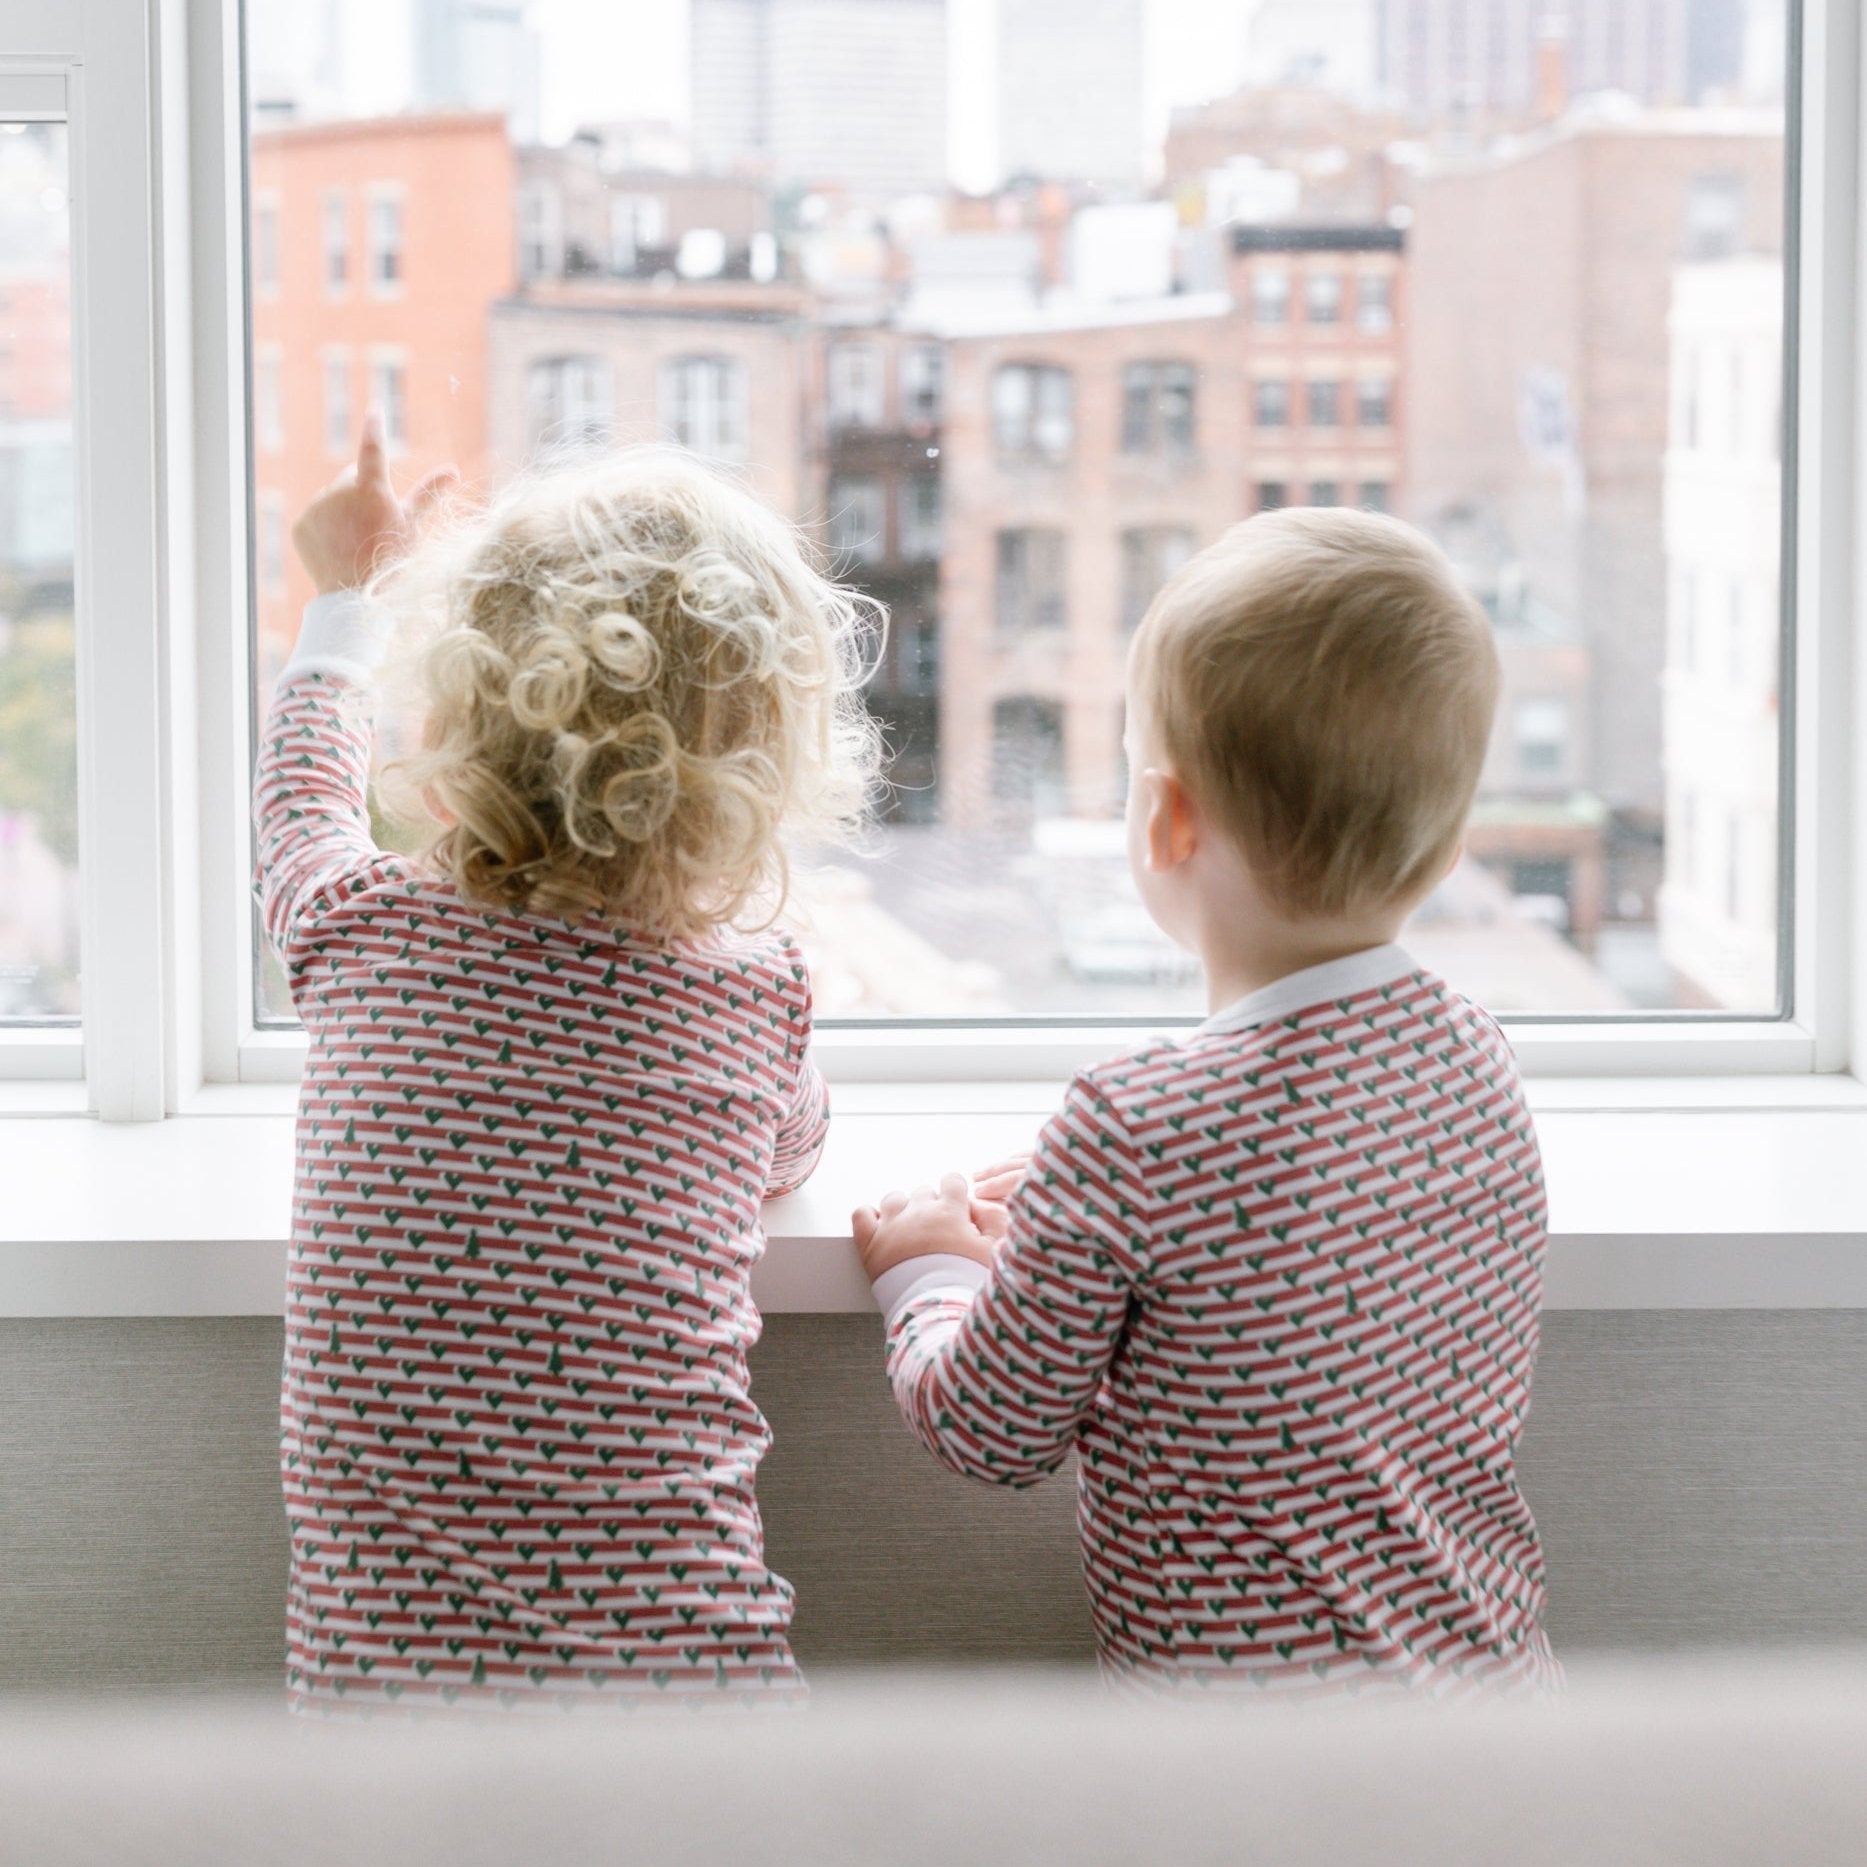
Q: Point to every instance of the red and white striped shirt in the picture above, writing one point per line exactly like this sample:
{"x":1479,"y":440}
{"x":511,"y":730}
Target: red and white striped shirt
{"x":1278,"y":1285}
{"x":518,"y":1442}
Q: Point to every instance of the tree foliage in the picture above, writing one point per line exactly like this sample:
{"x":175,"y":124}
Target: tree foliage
{"x":39,"y":730}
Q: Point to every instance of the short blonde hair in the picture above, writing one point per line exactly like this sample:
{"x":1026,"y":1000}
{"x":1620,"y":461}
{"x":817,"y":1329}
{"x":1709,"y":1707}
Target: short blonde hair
{"x":1324,"y":686}
{"x":638,"y":689}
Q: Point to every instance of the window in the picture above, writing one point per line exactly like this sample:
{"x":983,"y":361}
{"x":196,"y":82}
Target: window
{"x":1030,"y":581}
{"x":1034,"y":412}
{"x":856,"y":389}
{"x":638,"y":223}
{"x":389,"y":394}
{"x":858,"y":519}
{"x":541,"y":231}
{"x":923,"y":384}
{"x":385,"y":241}
{"x":340,"y":420}
{"x":1149,"y":556}
{"x":1027,"y":757}
{"x":1271,"y":404}
{"x":269,"y":398}
{"x":1540,"y":728}
{"x":1322,"y":297}
{"x":273,"y":526}
{"x":920,"y":529}
{"x":572,"y":400}
{"x":334,"y":230}
{"x":703,"y":406}
{"x":1374,"y":302}
{"x":1017,"y":430}
{"x":265,"y":245}
{"x":39,"y":897}
{"x":1158,"y":401}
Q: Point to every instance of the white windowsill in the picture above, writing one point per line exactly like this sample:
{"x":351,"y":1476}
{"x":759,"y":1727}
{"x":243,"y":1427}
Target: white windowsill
{"x":1677,"y":1195}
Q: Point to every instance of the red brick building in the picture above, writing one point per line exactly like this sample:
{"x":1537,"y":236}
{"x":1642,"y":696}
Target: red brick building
{"x":375,"y":266}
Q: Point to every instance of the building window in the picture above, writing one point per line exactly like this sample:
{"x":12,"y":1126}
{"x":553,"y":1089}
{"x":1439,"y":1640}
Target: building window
{"x":1540,"y":729}
{"x":1270,"y":295}
{"x":1325,"y":492}
{"x":1150,"y":555}
{"x":389,"y":393}
{"x":857,"y":398}
{"x":270,"y":517}
{"x":1159,"y":407}
{"x":1374,"y":402}
{"x":1273,"y":495}
{"x":266,"y":245}
{"x":703,"y":406}
{"x":921,"y":530}
{"x":1376,"y":496}
{"x":923,"y":384}
{"x":1034,"y":412}
{"x":1027,"y":757}
{"x":858,"y":519}
{"x":1322,"y":297}
{"x":919,"y":667}
{"x":1714,"y":215}
{"x":541,"y":232}
{"x":1270,"y":403}
{"x":638,"y":224}
{"x":571,"y":401}
{"x":1374,"y":302}
{"x":269,"y":398}
{"x":1030,"y":583}
{"x":340,"y":422}
{"x":1325,"y":405}
{"x":334,"y":238}
{"x":385,"y":241}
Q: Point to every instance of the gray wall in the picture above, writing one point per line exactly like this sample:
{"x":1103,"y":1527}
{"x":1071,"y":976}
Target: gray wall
{"x":1700,"y":1478}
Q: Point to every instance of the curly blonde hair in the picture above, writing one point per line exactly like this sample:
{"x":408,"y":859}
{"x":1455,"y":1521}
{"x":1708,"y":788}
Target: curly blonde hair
{"x":638,"y":689}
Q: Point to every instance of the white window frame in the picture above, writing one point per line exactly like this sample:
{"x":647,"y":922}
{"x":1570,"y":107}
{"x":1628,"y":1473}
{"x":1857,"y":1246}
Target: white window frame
{"x":337,"y":414}
{"x":385,"y":195}
{"x":334,"y":218}
{"x":161,"y":428}
{"x":382,"y":359}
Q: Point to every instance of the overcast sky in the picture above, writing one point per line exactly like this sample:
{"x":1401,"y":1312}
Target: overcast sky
{"x":628,"y":58}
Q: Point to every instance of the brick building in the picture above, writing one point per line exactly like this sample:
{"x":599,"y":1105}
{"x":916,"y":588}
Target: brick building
{"x":1541,"y":280}
{"x":1091,"y":449}
{"x":374,"y":268}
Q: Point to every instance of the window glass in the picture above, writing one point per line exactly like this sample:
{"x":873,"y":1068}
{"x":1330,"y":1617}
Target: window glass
{"x":1009,"y":318}
{"x":38,"y":686}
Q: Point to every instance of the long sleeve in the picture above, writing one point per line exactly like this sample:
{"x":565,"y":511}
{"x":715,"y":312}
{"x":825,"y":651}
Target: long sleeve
{"x":310,"y":789}
{"x":806,"y":1125}
{"x":996,"y":1384}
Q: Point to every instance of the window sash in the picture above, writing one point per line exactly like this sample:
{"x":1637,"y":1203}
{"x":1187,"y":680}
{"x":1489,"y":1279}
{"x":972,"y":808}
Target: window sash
{"x":164,"y":731}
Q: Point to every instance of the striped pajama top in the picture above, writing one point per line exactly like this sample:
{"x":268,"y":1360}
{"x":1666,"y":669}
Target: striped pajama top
{"x":518,"y":1444}
{"x":1278,"y":1286}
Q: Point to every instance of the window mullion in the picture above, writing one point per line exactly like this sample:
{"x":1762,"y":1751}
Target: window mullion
{"x":118,"y":569}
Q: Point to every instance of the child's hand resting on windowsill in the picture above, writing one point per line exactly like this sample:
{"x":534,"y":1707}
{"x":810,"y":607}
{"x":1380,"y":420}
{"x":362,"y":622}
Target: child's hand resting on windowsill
{"x":957,"y":1219}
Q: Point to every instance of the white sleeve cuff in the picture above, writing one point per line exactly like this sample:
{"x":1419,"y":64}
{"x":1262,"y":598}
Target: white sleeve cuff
{"x":896,"y":1289}
{"x":341,"y":636}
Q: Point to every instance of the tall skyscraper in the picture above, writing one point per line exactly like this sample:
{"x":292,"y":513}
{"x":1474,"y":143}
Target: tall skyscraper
{"x":1444,"y":58}
{"x":477,"y":55}
{"x":1070,"y":88}
{"x":836,"y":94}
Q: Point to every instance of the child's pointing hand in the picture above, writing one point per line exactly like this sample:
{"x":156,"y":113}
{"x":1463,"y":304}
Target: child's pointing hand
{"x":357,"y":524}
{"x":929,"y":1222}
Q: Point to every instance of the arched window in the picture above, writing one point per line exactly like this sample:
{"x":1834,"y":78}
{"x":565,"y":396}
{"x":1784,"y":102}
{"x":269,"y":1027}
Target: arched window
{"x":571,"y":401}
{"x":703,"y":406}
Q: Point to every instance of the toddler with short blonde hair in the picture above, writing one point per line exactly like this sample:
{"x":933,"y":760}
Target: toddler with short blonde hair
{"x":1276,"y":1282}
{"x":550,"y":1077}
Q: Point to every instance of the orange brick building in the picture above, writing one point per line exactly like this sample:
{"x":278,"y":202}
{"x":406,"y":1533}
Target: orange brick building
{"x":375,"y":266}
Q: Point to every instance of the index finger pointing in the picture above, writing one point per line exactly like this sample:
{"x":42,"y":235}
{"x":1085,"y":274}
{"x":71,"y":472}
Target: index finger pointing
{"x":372,"y":459}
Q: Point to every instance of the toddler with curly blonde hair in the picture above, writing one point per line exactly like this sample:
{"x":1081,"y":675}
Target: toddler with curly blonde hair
{"x":551,"y":1077}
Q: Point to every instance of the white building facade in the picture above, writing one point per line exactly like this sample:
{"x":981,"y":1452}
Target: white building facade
{"x":1071,"y":90}
{"x":843,"y":95}
{"x":1718,"y":909}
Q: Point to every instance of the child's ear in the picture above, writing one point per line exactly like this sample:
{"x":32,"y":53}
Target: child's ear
{"x":1169,"y":826}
